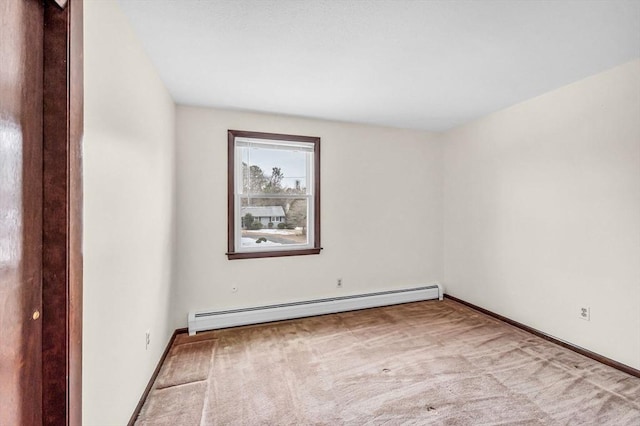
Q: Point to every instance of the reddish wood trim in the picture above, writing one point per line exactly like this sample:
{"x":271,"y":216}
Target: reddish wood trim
{"x":231,"y":205}
{"x":154,"y":376}
{"x":74,"y":209}
{"x":231,"y":252}
{"x":274,"y":136}
{"x":279,"y":253}
{"x":316,"y":192}
{"x":582,"y":351}
{"x":62,"y":218}
{"x":21,"y":56}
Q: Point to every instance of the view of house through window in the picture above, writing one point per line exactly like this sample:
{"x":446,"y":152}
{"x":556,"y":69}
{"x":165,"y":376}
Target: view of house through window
{"x":274,"y":207}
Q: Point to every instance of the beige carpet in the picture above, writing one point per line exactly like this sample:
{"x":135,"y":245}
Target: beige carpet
{"x":419,"y":363}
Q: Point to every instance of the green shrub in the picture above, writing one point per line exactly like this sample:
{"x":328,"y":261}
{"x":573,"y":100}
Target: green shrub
{"x":290,"y":226}
{"x":270,"y":225}
{"x":247,"y":221}
{"x":256,"y":225}
{"x":281,"y":225}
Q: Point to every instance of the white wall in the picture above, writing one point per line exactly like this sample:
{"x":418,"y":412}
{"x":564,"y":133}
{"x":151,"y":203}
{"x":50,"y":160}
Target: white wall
{"x":542,"y":212}
{"x":128,"y":216}
{"x":381,"y":214}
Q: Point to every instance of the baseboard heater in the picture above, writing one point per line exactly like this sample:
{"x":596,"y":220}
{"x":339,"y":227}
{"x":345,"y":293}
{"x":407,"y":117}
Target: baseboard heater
{"x":212,"y":320}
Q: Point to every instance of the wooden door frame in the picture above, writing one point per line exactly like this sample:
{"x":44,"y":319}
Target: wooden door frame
{"x":62,"y":213}
{"x":21,"y":50}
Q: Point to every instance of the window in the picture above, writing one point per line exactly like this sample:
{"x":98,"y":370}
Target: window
{"x":273,"y":195}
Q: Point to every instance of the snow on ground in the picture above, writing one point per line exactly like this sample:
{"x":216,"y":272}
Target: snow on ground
{"x":251,"y":242}
{"x":272,"y":231}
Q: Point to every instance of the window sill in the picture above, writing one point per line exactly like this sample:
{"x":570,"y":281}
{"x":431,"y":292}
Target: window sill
{"x":280,"y":253}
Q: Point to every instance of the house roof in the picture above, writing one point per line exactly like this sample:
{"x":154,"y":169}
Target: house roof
{"x":263,"y":211}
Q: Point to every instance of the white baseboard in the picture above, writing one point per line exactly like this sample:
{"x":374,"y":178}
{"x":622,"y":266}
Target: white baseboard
{"x":212,"y":320}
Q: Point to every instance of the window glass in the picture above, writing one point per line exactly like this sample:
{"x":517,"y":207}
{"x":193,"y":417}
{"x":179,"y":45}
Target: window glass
{"x":274,"y":195}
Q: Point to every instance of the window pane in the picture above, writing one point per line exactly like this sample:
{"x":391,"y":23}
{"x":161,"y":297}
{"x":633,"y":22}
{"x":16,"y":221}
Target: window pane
{"x":273,"y":222}
{"x":274,"y":195}
{"x":269,"y":171}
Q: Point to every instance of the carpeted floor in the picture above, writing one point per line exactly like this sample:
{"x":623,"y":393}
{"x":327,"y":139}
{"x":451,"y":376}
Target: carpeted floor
{"x":435,"y":362}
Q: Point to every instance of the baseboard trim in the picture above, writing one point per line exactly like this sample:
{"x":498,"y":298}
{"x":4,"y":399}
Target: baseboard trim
{"x":145,"y":394}
{"x":582,"y":351}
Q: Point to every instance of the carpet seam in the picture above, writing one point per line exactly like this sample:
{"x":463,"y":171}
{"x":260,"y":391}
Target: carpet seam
{"x":180,"y":384}
{"x":209,"y":379}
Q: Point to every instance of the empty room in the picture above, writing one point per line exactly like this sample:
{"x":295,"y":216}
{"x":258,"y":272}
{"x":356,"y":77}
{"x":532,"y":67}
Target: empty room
{"x":332,"y":212}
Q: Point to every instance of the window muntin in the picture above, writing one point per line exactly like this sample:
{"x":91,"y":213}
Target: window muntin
{"x":274,"y":195}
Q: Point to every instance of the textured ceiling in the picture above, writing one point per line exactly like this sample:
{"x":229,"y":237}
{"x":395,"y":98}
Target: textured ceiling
{"x":427,"y":65}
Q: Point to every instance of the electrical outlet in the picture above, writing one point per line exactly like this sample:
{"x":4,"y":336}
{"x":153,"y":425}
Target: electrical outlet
{"x":147,"y":339}
{"x":339,"y":285}
{"x":585,"y":313}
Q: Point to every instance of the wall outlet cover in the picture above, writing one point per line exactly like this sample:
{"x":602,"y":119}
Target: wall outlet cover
{"x":585,"y":313}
